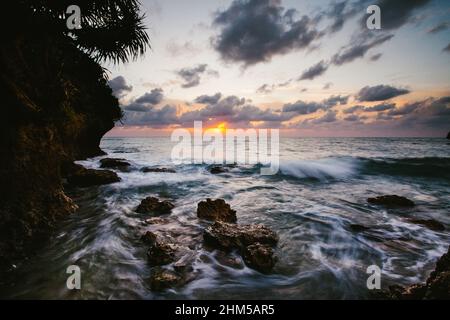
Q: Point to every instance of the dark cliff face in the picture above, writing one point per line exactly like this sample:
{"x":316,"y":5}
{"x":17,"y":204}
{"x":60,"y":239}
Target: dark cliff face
{"x":56,"y":107}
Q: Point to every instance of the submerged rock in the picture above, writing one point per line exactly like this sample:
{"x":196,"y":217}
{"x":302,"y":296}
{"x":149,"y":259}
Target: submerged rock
{"x":217,"y":169}
{"x":114,"y":163}
{"x":227,"y":236}
{"x":161,"y":253}
{"x":436,"y":287}
{"x":253,"y":241}
{"x":259,"y":257}
{"x":153,"y":205}
{"x":391,"y":201}
{"x":162,"y":279}
{"x":429,"y":223}
{"x":82,"y":177}
{"x":150,"y":169}
{"x":216,"y":210}
{"x":149,"y":238}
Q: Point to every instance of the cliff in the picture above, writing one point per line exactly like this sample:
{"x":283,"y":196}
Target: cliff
{"x":56,"y":107}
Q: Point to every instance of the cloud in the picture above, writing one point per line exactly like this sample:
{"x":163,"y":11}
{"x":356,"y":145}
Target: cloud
{"x":315,"y":71}
{"x":353,"y":109}
{"x":205,"y":99}
{"x":301,"y":107}
{"x":447,"y":48}
{"x":352,"y":118}
{"x":119,"y":86}
{"x":175,"y":49}
{"x":192,"y":76}
{"x":153,"y":97}
{"x":153,"y":117}
{"x":440,"y":27}
{"x":359,"y":48}
{"x":267,"y":88}
{"x":380,"y":107}
{"x":394,"y":14}
{"x":328,"y":117}
{"x":336,"y":100}
{"x":327,"y":85}
{"x":375,"y":57}
{"x":379,"y":93}
{"x":406,"y":109}
{"x":253,"y":31}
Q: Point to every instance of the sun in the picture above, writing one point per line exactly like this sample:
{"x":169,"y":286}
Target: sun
{"x":222,"y":127}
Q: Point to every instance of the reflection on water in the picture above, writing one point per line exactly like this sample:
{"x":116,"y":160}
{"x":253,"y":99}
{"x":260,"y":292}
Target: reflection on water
{"x":320,"y":191}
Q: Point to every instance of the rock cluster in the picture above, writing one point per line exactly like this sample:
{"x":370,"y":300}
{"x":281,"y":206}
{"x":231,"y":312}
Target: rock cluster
{"x":216,"y":210}
{"x":114,"y":163}
{"x":82,"y":177}
{"x":437,"y":285}
{"x":391,"y":201}
{"x":155,"y":206}
{"x":254,"y":242}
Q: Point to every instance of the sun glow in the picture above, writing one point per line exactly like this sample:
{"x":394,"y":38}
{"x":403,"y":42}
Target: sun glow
{"x":220,"y":128}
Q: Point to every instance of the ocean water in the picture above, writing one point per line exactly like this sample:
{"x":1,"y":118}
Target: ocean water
{"x":322,"y":187}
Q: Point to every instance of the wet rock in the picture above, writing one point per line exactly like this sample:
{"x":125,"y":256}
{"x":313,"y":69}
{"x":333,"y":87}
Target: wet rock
{"x":150,"y":169}
{"x":82,"y":177}
{"x":437,"y":286}
{"x":153,"y":205}
{"x":430,"y":224}
{"x":227,"y":236}
{"x":391,"y":201}
{"x":149,"y":238}
{"x":216,"y":210}
{"x":162,"y":279}
{"x":114,"y":163}
{"x":259,"y":257}
{"x":358,"y":228}
{"x":217,"y":169}
{"x":161,"y":253}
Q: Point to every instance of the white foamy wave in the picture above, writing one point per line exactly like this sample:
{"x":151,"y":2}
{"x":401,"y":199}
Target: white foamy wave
{"x":322,"y":169}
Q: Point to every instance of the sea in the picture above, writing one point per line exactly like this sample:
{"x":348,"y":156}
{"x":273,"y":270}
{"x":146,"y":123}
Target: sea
{"x":319,"y":191}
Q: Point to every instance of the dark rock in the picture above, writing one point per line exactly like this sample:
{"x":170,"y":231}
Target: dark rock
{"x":216,"y":210}
{"x":358,"y":228}
{"x":259,"y":257}
{"x":430,"y":224}
{"x":153,"y":205}
{"x":162,"y":279}
{"x":448,"y":136}
{"x":166,"y":170}
{"x":227,"y":236}
{"x":161,"y":253}
{"x":149,"y":238}
{"x":83,"y":177}
{"x":391,"y":201}
{"x":217,"y":170}
{"x":114,"y":163}
{"x":437,"y":286}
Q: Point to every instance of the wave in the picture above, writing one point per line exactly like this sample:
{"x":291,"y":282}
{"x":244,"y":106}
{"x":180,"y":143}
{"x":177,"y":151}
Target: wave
{"x":346,"y":167}
{"x":322,"y":169}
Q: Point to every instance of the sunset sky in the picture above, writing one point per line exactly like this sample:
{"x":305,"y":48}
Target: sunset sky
{"x":310,"y":68}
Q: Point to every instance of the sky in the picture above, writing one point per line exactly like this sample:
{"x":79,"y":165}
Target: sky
{"x":308,"y":68}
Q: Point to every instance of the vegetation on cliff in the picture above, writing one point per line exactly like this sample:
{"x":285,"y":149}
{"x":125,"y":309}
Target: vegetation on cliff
{"x":56,"y":105}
